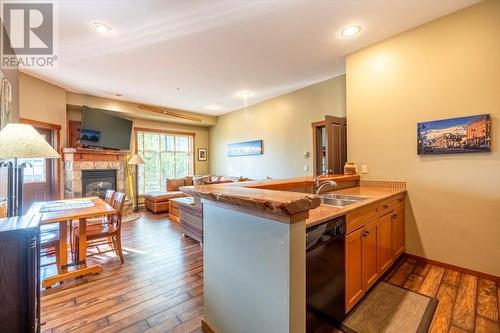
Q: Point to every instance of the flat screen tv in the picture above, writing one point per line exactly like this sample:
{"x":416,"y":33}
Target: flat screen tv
{"x":101,"y":129}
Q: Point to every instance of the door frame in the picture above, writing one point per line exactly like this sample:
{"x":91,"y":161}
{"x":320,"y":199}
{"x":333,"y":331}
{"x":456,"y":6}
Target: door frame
{"x":55,"y":129}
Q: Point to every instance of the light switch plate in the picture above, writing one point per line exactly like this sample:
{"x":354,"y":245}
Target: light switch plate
{"x":306,"y":168}
{"x":364,"y":168}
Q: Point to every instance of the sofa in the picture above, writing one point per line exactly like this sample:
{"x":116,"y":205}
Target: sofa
{"x":159,"y":201}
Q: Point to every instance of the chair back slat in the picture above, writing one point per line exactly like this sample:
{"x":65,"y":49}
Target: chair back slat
{"x":118,"y":205}
{"x":110,"y":197}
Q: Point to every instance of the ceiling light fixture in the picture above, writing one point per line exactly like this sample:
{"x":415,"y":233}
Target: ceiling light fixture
{"x":350,"y":31}
{"x":244,"y":94}
{"x":102,"y":28}
{"x":212,"y":107}
{"x":118,"y":95}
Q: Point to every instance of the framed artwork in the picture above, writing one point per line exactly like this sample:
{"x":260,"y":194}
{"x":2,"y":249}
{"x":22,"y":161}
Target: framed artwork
{"x":246,"y":148}
{"x":471,"y":134}
{"x":202,"y":154}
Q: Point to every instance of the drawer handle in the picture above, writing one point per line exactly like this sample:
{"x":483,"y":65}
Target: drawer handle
{"x":395,"y":216}
{"x":400,"y":199}
{"x":385,"y":206}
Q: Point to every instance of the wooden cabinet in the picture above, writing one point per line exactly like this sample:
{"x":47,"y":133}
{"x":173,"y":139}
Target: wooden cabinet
{"x":385,"y":248}
{"x":374,"y":240}
{"x":19,"y":275}
{"x":370,"y":254}
{"x":354,"y":267}
{"x":398,"y":232}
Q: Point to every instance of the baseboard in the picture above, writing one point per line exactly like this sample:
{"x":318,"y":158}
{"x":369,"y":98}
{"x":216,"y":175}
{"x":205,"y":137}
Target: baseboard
{"x":482,"y":275}
{"x":205,"y":328}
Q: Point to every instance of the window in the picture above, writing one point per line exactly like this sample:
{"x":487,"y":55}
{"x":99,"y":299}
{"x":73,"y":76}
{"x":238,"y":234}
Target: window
{"x":165,"y":156}
{"x":35,"y":170}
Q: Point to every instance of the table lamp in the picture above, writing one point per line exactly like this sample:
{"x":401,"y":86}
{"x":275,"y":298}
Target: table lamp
{"x":20,"y":141}
{"x":134,"y":160}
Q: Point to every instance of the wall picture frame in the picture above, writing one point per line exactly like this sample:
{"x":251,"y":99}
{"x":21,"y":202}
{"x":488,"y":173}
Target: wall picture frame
{"x":469,"y":134}
{"x":247,"y":148}
{"x":202,"y":154}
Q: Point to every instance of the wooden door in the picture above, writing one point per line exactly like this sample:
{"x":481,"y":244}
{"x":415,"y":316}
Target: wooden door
{"x":336,"y":151}
{"x":354,"y":268}
{"x":385,"y":252}
{"x":370,"y":254}
{"x":73,"y":133}
{"x":398,"y":232}
{"x":38,"y":181}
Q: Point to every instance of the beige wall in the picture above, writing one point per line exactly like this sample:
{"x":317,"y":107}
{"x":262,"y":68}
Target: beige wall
{"x":284,"y":123}
{"x":42,"y":101}
{"x":447,"y":68}
{"x":201,"y":133}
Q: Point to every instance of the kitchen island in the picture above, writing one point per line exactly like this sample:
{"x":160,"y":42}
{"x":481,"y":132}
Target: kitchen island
{"x":255,"y":248}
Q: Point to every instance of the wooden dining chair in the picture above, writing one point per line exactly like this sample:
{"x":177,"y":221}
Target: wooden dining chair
{"x":109,"y":198}
{"x":49,"y":244}
{"x":108,"y":233}
{"x":3,"y":213}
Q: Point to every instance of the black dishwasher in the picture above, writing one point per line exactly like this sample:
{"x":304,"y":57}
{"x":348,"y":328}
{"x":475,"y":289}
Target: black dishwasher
{"x":325,"y":267}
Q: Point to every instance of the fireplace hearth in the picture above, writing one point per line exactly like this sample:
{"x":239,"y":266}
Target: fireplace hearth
{"x":95,"y":183}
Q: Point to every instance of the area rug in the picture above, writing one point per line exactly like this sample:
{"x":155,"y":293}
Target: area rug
{"x":391,"y":309}
{"x":131,"y":217}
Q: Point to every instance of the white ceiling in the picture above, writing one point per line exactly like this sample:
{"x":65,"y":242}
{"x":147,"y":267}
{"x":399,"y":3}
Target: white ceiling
{"x":188,"y":54}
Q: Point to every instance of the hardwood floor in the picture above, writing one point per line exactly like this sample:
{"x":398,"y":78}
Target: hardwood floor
{"x":466,"y":303}
{"x":160,"y":289}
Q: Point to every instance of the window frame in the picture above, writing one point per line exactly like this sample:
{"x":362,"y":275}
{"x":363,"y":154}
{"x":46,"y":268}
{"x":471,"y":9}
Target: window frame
{"x":138,"y":130}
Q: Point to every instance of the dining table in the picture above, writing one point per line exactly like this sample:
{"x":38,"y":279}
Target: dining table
{"x":64,"y":212}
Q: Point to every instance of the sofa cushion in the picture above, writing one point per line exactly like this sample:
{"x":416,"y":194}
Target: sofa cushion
{"x":201,"y":180}
{"x":175,"y":183}
{"x":188,"y":180}
{"x":158,"y":196}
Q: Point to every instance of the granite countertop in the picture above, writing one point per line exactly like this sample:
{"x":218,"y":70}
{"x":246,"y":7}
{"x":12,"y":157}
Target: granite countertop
{"x":271,"y":199}
{"x":373,"y":194}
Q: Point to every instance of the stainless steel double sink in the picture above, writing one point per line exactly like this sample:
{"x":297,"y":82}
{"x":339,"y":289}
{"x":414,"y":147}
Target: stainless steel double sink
{"x":340,"y":200}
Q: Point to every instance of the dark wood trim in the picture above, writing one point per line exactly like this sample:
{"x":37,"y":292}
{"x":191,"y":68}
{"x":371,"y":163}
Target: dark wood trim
{"x":55,"y":130}
{"x":72,"y":107}
{"x":455,"y":268}
{"x":153,"y":130}
{"x":205,"y":327}
{"x":40,"y":124}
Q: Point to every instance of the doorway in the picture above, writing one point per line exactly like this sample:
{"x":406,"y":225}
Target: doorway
{"x":39,"y":175}
{"x":329,"y":145}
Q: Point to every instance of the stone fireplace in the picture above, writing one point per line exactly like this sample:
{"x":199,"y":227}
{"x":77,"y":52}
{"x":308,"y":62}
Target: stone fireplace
{"x":89,"y":172}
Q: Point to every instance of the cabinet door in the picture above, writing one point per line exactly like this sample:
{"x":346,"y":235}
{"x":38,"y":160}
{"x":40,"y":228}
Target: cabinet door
{"x":370,"y":254}
{"x":385,"y":252}
{"x":398,"y":232}
{"x":354,"y":268}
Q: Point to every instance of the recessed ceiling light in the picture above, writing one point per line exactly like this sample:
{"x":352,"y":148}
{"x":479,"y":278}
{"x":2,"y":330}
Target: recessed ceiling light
{"x":212,"y":107}
{"x":244,"y":94}
{"x":350,"y":31}
{"x":118,"y":95}
{"x":101,"y":28}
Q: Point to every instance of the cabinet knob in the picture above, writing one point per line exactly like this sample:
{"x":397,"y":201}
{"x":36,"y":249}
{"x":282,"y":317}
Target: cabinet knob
{"x":394,"y":216}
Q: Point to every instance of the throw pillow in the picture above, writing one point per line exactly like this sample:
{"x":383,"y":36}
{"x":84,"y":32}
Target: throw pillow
{"x":174,"y":184}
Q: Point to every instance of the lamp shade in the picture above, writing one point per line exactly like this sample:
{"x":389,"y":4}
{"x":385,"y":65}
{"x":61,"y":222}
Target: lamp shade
{"x":23,"y":141}
{"x":135,"y":160}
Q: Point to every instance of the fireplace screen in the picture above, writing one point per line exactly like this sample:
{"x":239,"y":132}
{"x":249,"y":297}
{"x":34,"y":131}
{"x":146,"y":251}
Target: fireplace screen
{"x":95,"y":183}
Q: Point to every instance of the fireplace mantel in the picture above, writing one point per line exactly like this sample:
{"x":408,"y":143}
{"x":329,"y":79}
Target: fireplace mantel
{"x":93,"y":155}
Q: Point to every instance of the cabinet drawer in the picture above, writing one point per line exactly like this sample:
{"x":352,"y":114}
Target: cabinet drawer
{"x":391,"y":204}
{"x":361,"y":216}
